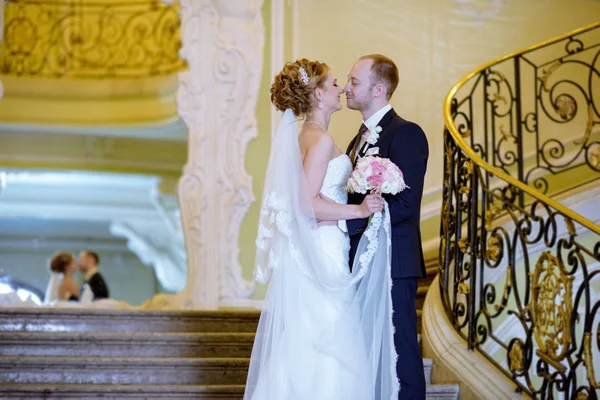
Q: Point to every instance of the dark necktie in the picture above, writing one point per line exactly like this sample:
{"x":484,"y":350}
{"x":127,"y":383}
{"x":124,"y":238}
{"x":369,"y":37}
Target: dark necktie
{"x":357,"y":141}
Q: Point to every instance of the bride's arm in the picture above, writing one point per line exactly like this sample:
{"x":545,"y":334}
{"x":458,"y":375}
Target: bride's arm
{"x":315,"y":167}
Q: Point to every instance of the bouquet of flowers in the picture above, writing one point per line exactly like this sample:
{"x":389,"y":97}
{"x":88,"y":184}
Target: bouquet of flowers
{"x":376,"y":175}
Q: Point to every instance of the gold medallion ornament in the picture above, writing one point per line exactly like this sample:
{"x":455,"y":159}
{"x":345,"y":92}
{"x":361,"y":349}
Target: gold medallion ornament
{"x":551,"y":309}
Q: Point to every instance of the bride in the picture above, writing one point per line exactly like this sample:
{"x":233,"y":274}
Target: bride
{"x":325,"y":333}
{"x":62,"y":286}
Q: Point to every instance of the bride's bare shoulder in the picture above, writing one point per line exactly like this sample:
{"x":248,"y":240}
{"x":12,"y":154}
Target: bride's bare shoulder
{"x":315,"y":139}
{"x":70,"y":284}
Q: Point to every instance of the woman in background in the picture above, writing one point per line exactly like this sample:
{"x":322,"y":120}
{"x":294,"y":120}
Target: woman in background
{"x":62,"y":285}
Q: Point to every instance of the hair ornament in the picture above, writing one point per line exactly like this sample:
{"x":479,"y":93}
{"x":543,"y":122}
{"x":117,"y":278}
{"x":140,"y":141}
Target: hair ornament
{"x":303,"y":76}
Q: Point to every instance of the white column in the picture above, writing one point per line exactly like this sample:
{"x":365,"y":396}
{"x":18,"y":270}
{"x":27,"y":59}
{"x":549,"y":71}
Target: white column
{"x":223,"y":45}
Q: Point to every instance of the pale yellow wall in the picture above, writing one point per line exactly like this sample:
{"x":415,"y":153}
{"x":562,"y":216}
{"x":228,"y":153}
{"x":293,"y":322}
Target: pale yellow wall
{"x":257,"y":157}
{"x":433,"y":44}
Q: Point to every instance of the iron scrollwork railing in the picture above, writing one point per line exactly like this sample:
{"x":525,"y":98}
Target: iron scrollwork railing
{"x":91,"y":39}
{"x":519,"y":272}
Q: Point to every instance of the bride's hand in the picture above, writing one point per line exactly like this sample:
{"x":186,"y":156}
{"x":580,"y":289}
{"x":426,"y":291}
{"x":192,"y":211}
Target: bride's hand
{"x":372,"y":204}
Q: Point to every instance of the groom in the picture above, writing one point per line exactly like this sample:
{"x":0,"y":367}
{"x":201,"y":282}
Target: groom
{"x":371,"y":83}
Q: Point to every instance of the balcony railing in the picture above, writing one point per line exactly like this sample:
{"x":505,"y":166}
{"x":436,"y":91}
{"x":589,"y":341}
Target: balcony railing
{"x":520,"y":272}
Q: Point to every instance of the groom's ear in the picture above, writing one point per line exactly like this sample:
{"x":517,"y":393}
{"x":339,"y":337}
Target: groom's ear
{"x":379,"y":90}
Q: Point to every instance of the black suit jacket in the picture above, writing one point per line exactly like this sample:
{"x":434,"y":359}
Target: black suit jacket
{"x":98,"y":286}
{"x":405,"y":144}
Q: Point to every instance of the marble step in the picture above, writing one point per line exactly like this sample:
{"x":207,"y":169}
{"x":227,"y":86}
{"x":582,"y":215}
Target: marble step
{"x":124,"y":371}
{"x":117,"y":392}
{"x":91,"y":320}
{"x":166,"y":392}
{"x":131,"y":371}
{"x":126,"y":344}
{"x":442,"y":392}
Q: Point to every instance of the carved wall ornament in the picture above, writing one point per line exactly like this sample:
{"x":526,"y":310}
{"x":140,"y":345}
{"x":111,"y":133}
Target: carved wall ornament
{"x":121,"y":39}
{"x":223,"y":45}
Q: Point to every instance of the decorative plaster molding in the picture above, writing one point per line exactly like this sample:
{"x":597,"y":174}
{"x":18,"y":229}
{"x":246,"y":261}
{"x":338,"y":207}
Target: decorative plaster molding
{"x":172,"y":130}
{"x":168,"y":263}
{"x":90,"y":152}
{"x":218,"y":106}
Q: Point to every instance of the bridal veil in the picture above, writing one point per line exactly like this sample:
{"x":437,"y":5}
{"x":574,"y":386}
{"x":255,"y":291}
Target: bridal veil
{"x":310,"y":309}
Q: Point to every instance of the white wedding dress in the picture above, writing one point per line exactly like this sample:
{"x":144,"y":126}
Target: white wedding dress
{"x":324,"y":357}
{"x":324,"y":333}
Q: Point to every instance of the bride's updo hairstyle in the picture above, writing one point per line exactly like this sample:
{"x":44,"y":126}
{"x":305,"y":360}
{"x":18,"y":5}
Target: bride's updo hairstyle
{"x":292,"y":89}
{"x":60,"y":261}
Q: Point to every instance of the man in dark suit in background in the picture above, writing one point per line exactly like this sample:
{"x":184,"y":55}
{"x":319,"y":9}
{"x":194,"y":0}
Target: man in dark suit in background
{"x":371,"y":83}
{"x":88,"y":265}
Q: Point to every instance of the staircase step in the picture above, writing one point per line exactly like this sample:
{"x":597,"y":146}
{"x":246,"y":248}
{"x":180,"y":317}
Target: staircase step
{"x":89,"y":320}
{"x":167,"y":392}
{"x":126,"y":344}
{"x":132,"y":370}
{"x":124,"y":371}
{"x":117,"y":392}
{"x":427,"y":364}
{"x":442,"y":392}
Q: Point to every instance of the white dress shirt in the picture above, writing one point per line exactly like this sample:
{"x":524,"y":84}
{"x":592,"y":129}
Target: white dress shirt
{"x":372,"y":122}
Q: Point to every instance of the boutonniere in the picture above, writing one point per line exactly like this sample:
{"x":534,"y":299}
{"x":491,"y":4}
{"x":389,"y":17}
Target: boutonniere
{"x":373,"y":135}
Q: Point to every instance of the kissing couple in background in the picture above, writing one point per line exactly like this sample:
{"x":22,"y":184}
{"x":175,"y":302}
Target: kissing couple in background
{"x":62,"y":285}
{"x":339,"y":320}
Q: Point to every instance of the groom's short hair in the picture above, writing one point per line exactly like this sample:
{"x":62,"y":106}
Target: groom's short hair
{"x":384,"y":70}
{"x":94,"y":255}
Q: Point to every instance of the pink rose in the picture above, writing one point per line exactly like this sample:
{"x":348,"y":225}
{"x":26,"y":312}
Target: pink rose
{"x":375,"y":181}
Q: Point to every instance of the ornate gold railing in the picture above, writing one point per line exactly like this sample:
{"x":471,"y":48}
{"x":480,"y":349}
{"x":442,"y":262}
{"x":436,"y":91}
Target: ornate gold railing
{"x":91,"y":39}
{"x":519,"y":272}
